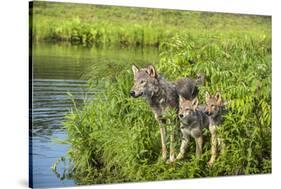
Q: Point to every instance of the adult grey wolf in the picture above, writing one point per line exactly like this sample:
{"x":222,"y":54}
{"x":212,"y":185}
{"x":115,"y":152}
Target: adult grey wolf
{"x":161,"y":94}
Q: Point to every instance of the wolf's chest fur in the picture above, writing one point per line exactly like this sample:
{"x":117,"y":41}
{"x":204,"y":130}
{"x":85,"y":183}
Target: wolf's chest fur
{"x":194,"y":129}
{"x":165,"y":97}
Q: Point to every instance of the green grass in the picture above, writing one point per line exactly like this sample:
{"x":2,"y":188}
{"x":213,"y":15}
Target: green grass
{"x":115,"y":138}
{"x":127,"y":26}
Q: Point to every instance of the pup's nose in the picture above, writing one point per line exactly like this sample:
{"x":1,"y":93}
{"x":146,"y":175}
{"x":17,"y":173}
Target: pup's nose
{"x":207,"y":112}
{"x":132,"y":93}
{"x":181,"y":115}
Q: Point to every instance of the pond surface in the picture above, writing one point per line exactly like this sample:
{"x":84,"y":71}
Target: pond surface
{"x":58,"y":69}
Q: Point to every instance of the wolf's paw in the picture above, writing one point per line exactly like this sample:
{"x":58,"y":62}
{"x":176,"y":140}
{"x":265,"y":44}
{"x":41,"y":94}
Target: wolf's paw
{"x":164,"y":157}
{"x":211,"y":162}
{"x":170,"y":161}
{"x":221,"y":144}
{"x":180,"y":156}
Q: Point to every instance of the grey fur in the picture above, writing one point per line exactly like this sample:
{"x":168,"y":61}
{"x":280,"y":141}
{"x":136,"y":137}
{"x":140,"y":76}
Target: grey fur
{"x":193,"y":121}
{"x":186,"y":88}
{"x":214,"y":108}
{"x":161,"y":94}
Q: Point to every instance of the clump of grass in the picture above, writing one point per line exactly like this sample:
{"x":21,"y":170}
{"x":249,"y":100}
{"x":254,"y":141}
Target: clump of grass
{"x":115,"y":138}
{"x":110,"y":134}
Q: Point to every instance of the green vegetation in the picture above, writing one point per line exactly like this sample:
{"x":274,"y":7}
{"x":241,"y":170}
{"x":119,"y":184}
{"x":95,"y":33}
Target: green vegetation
{"x":115,"y":138}
{"x":118,"y":26}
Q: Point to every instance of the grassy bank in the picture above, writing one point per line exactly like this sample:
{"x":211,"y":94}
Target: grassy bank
{"x":111,"y":25}
{"x":115,"y":138}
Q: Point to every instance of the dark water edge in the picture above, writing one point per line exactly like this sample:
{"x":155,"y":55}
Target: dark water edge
{"x":57,"y":70}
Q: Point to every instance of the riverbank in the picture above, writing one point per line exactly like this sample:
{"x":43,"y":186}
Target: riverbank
{"x":112,"y":25}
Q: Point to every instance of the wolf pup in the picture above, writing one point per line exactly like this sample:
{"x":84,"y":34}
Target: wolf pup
{"x":161,"y":94}
{"x":192,"y":121}
{"x":214,"y":108}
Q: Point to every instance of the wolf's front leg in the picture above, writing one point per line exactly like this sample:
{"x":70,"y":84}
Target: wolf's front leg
{"x":199,"y":144}
{"x":221,"y":144}
{"x":161,"y":122}
{"x":184,"y":144}
{"x":172,"y":148}
{"x":213,"y":131}
{"x":163,"y":139}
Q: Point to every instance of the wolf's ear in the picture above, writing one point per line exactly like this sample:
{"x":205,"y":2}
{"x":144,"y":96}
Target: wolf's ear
{"x":181,"y":99}
{"x":135,"y":69}
{"x":218,"y":97}
{"x":207,"y":96}
{"x":152,"y":71}
{"x":195,"y":103}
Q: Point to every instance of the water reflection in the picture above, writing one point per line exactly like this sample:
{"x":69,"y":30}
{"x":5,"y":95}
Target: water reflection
{"x":50,"y":103}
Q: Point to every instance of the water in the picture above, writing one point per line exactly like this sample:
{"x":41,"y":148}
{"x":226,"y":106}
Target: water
{"x":57,"y":70}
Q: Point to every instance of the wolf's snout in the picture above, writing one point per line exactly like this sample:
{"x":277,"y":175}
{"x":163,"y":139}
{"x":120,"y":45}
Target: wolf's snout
{"x":207,"y":112}
{"x":135,"y":95}
{"x":132,"y":93}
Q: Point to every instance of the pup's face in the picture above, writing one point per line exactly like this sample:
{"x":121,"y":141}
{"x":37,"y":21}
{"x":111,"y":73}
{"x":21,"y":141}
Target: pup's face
{"x":213,"y":104}
{"x":187,"y":110}
{"x":145,"y":82}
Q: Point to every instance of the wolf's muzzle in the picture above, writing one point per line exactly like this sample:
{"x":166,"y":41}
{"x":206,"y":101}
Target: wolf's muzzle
{"x":208,"y":113}
{"x":133,"y":94}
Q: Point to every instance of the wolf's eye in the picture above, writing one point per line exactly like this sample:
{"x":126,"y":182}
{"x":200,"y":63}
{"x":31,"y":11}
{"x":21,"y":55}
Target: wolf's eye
{"x":142,"y":82}
{"x":213,"y":106}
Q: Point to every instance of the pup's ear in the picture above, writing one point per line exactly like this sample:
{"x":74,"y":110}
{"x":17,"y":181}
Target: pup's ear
{"x":195,"y":103}
{"x":135,"y":69}
{"x":181,"y":99}
{"x":218,"y":97}
{"x":207,"y":96}
{"x":151,"y":71}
